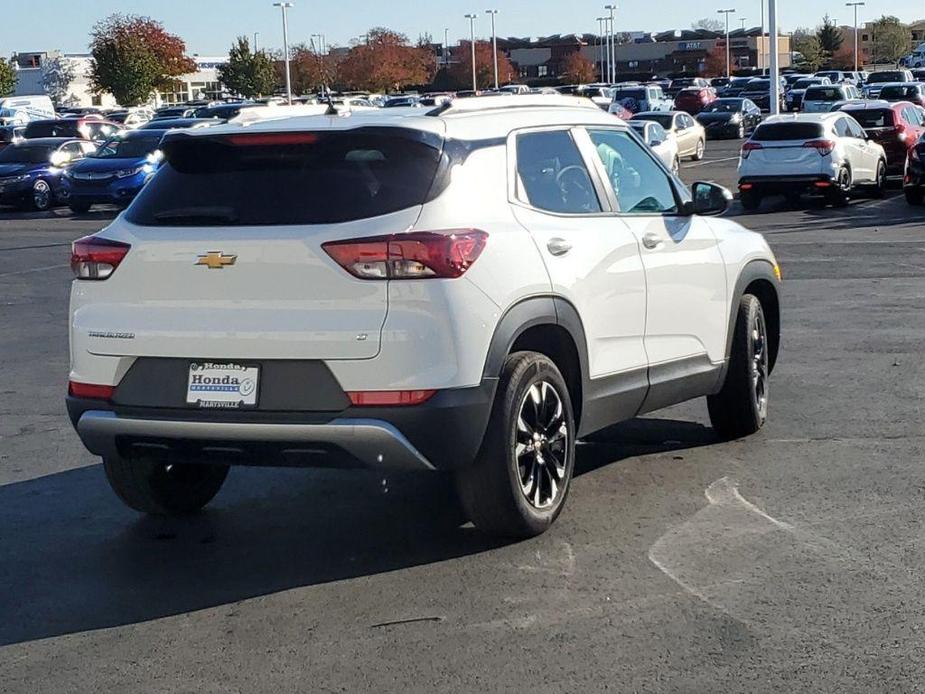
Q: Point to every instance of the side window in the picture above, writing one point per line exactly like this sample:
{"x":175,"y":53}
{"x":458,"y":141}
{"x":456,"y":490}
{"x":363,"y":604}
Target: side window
{"x":855,"y":130}
{"x":73,"y":151}
{"x":639,"y":183}
{"x":552,"y":175}
{"x":841,"y":127}
{"x":657,"y":133}
{"x":87,"y":147}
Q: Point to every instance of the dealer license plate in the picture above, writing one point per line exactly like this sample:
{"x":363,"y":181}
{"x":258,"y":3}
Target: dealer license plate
{"x":222,"y":385}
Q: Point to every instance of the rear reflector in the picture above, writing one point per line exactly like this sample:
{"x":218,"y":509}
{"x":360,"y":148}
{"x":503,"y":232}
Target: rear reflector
{"x":415,"y":255}
{"x":96,"y":258}
{"x":822,"y":184}
{"x":378,"y":398}
{"x":90,"y":390}
{"x":746,"y":186}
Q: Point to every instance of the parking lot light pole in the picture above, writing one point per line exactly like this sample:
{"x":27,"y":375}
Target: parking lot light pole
{"x":494,"y":43}
{"x":855,"y":5}
{"x":472,"y":17}
{"x":600,"y":46}
{"x":728,"y":55}
{"x":613,"y":46}
{"x":446,"y":48}
{"x":775,"y":58}
{"x":285,"y":6}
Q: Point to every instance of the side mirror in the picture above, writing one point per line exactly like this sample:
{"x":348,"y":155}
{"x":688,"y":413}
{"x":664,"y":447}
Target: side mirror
{"x":709,"y":198}
{"x":655,"y":142}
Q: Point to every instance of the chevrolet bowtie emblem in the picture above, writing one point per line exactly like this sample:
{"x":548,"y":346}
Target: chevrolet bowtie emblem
{"x":216,"y":260}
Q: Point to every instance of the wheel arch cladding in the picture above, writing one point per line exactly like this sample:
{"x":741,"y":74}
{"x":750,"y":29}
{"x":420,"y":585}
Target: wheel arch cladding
{"x":550,"y":326}
{"x":757,"y":278}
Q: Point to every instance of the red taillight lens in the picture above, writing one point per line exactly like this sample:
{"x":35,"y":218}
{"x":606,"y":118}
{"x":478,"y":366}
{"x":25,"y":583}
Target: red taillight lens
{"x":90,"y":390}
{"x":415,"y":255}
{"x":824,"y":147}
{"x":900,"y":131}
{"x":396,"y":398}
{"x":270,"y":139}
{"x":95,"y":258}
{"x":750,"y":147}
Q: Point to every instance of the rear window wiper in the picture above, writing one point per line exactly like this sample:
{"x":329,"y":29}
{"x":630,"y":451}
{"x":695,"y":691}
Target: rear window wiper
{"x":198,"y":215}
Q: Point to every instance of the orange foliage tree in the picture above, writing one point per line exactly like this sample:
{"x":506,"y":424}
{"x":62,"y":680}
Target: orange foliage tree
{"x":578,"y":69}
{"x":461,"y":68}
{"x":386,"y":62}
{"x":309,"y":70}
{"x":715,"y":63}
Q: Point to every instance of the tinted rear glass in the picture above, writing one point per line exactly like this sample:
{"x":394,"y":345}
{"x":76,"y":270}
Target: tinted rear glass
{"x":758,"y":86}
{"x":886,"y":76}
{"x":823,"y":94}
{"x":27,"y":154}
{"x":52,"y":128}
{"x":635,"y":93}
{"x":873,"y":118}
{"x":770,"y":132}
{"x":898,"y":92}
{"x":309,"y":178}
{"x":663,"y":120}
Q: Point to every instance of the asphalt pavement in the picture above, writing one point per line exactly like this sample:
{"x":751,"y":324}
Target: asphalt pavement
{"x":791,"y":561}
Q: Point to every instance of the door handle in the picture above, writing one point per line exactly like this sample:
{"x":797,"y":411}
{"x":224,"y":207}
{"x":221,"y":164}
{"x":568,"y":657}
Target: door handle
{"x":557,"y":246}
{"x":651,"y":241}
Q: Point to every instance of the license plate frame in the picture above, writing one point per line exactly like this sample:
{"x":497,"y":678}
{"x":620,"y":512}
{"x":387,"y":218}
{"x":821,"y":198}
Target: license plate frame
{"x":223,"y":385}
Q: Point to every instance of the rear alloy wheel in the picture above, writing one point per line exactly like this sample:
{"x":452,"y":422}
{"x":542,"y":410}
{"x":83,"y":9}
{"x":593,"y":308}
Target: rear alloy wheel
{"x":161,"y":488}
{"x":841,"y":190}
{"x":741,"y":407}
{"x":701,"y":148}
{"x":520,"y":479}
{"x":879,"y":189}
{"x":42,"y":196}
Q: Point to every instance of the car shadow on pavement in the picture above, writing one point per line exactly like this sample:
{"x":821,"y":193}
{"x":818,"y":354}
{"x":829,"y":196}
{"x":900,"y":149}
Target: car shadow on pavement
{"x":74,"y":559}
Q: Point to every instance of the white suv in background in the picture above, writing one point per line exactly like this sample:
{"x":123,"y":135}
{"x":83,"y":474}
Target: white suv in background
{"x":826,"y":154}
{"x":469,"y":290}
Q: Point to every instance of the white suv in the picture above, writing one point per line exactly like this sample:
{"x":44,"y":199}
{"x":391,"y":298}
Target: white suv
{"x":820,"y":153}
{"x":470,"y":289}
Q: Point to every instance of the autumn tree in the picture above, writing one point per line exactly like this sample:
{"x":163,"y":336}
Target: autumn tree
{"x":7,"y":78}
{"x":890,"y":39}
{"x":248,"y":73}
{"x":843,"y":58}
{"x":578,"y":69}
{"x":134,"y":56}
{"x":386,"y":62}
{"x":461,"y":70}
{"x":714,"y":65}
{"x":311,"y":71}
{"x":710,"y":24}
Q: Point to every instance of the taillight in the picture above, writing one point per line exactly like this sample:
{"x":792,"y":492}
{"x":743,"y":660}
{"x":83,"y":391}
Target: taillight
{"x":750,"y":147}
{"x":824,"y":147}
{"x":394,"y":398}
{"x":90,"y":390}
{"x":95,"y":258}
{"x":900,"y":131}
{"x":415,"y":255}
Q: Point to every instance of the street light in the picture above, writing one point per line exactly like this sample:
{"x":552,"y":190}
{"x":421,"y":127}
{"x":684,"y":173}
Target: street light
{"x":472,"y":18}
{"x":494,"y":43}
{"x":855,"y":5}
{"x":728,"y":61}
{"x":321,"y":43}
{"x":600,"y":45}
{"x":613,"y":48}
{"x":446,"y":48}
{"x":743,"y":20}
{"x":283,"y":6}
{"x":256,"y":36}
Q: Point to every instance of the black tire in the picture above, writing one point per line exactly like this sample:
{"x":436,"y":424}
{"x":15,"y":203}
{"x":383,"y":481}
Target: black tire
{"x":156,"y":487}
{"x":841,"y":190}
{"x":699,"y":151}
{"x":914,"y":196}
{"x":750,"y":200}
{"x":741,"y":407}
{"x":79,"y":207}
{"x":494,"y":488}
{"x":879,"y":189}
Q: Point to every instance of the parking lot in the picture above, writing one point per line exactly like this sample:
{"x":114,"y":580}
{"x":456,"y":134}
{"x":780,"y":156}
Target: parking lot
{"x":790,"y":561}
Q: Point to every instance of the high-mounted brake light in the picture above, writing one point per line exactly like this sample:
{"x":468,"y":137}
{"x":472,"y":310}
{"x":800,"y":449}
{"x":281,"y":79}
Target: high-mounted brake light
{"x":414,"y":255}
{"x":96,"y":258}
{"x":90,"y":390}
{"x":258,"y":139}
{"x":395,"y":398}
{"x":750,"y":147}
{"x":824,"y":147}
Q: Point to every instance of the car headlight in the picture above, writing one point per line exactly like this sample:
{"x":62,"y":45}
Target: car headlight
{"x":736,"y":118}
{"x":125,"y":173}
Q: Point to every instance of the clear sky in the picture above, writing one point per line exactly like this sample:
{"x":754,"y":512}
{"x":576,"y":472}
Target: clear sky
{"x":209,"y":26}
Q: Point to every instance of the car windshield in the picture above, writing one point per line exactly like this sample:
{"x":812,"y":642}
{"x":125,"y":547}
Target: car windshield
{"x":758,"y":86}
{"x":773,"y":132}
{"x":289,"y":178}
{"x":824,"y":94}
{"x":872,"y":118}
{"x":724,"y":106}
{"x":898,"y":91}
{"x":127,"y":148}
{"x":27,"y":154}
{"x":52,"y":128}
{"x":886,"y":76}
{"x":806,"y":83}
{"x":663,"y":119}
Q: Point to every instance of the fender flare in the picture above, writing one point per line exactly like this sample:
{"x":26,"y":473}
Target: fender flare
{"x":759,"y":269}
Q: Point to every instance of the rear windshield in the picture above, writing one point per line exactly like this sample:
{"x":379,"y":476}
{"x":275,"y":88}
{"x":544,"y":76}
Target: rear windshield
{"x":771,"y":132}
{"x":805,"y":83}
{"x":824,"y":94}
{"x":886,"y":76}
{"x":27,"y":154}
{"x":52,"y":128}
{"x":130,"y":148}
{"x":873,"y":118}
{"x":898,"y":92}
{"x":636,"y":93}
{"x":288,"y":178}
{"x":663,"y":120}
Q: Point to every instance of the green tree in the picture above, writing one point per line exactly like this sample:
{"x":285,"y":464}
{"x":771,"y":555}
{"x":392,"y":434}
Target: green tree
{"x":248,"y":73}
{"x":808,"y":46}
{"x":7,"y":78}
{"x":134,"y":56}
{"x":890,"y":39}
{"x":829,"y":35}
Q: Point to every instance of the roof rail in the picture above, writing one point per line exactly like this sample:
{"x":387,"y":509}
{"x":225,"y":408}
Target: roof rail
{"x":494,"y":102}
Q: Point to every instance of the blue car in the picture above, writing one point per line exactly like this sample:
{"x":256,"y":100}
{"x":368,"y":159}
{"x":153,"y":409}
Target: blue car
{"x":116,"y":172}
{"x":31,"y":170}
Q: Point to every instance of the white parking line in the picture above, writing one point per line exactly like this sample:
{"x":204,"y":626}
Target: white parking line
{"x":708,"y":161}
{"x":35,"y":269}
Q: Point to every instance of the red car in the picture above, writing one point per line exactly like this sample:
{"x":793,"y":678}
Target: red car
{"x":896,"y":126}
{"x":694,"y":99}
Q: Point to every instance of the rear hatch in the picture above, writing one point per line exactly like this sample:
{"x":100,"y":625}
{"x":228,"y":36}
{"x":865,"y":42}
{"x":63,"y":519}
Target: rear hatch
{"x":878,"y":123}
{"x":780,"y":149}
{"x":227,"y":258}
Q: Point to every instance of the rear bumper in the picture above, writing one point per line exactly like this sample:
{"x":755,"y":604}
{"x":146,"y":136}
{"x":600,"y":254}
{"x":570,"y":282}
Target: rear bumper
{"x":769,"y":185}
{"x":441,"y":434}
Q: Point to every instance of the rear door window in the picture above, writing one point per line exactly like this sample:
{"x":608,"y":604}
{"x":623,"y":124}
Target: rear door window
{"x":289,"y":178}
{"x":552,"y":175}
